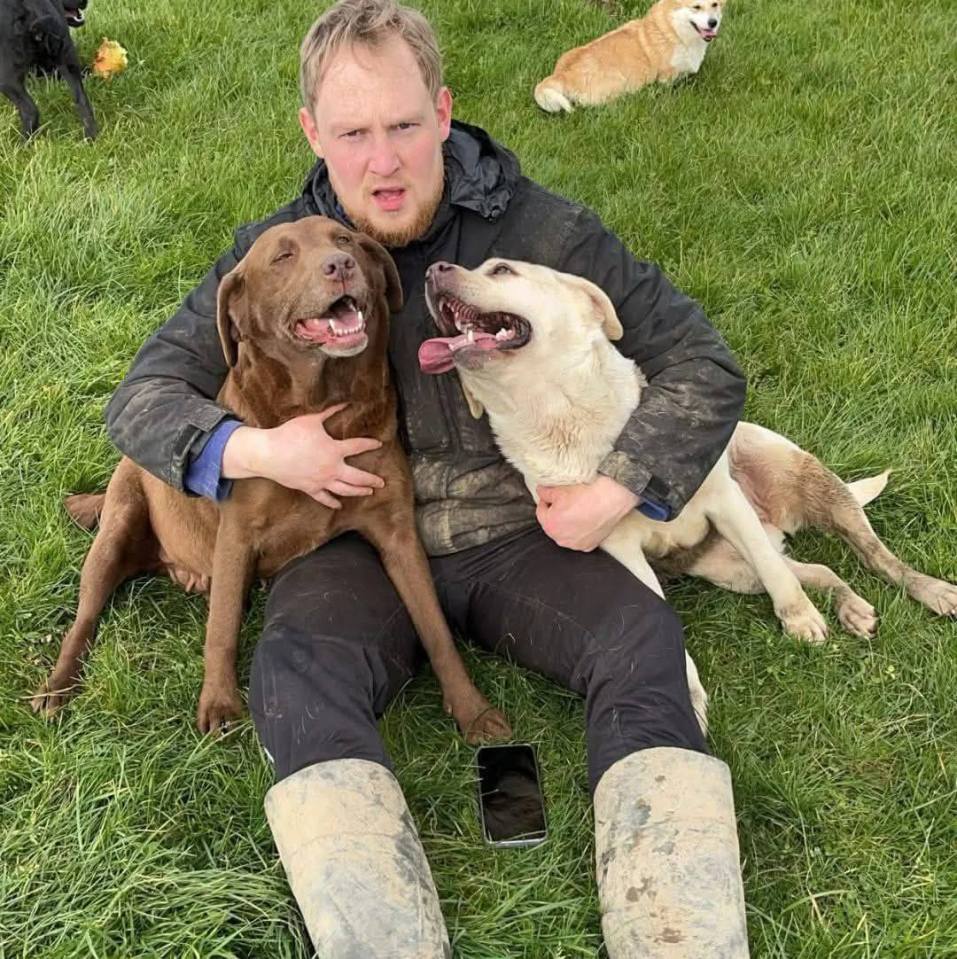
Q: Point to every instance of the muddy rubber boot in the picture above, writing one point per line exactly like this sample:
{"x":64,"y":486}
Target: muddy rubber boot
{"x":666,"y":849}
{"x":355,"y":863}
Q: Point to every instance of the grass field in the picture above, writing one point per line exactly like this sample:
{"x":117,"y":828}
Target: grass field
{"x":803,"y":187}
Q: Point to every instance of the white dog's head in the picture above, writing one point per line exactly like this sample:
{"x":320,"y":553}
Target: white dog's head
{"x":701,"y":18}
{"x":512,"y":314}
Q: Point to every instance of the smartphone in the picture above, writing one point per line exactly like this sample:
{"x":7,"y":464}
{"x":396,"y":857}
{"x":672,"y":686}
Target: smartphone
{"x":511,"y":807}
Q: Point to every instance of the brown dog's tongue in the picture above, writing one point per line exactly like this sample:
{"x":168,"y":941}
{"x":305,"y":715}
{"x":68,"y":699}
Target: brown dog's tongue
{"x":436,"y":355}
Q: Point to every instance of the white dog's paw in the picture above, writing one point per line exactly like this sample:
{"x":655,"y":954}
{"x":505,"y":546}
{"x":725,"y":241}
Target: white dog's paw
{"x":936,"y":594}
{"x":804,"y":621}
{"x":857,"y":615}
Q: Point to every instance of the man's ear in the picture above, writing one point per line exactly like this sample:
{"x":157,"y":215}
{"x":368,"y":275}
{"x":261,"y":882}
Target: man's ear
{"x":602,"y":307}
{"x":230,"y":287}
{"x":475,"y":407}
{"x":393,"y":285}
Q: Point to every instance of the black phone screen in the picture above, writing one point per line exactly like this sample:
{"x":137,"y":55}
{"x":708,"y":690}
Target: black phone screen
{"x":510,"y":795}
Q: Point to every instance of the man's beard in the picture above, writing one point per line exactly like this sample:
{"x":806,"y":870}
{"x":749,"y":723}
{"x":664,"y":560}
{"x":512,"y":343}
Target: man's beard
{"x":406,"y":234}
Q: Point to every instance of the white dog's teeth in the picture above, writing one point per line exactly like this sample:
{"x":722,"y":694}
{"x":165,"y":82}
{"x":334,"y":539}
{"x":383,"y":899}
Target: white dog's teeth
{"x":470,"y":335}
{"x":333,"y":327}
{"x":505,"y":334}
{"x":362,"y":321}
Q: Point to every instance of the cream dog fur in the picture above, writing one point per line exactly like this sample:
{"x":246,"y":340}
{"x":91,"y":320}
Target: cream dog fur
{"x":532,"y":348}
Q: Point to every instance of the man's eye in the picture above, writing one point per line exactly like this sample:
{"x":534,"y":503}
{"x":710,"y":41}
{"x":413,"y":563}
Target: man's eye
{"x":406,"y":126}
{"x":350,"y":135}
{"x":500,"y":269}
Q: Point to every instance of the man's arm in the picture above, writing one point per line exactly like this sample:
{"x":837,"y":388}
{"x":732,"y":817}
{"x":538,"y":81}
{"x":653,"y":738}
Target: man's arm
{"x":163,"y":412}
{"x":695,"y":391}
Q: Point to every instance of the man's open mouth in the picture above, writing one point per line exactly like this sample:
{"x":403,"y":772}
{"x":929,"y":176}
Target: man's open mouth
{"x":342,"y":325}
{"x":479,"y":334}
{"x":74,"y":16}
{"x":706,"y":33}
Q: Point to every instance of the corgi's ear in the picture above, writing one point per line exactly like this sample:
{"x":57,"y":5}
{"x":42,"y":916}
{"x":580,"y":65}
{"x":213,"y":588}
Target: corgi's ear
{"x":475,"y":407}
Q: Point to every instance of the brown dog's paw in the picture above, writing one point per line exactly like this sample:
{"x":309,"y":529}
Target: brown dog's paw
{"x":217,"y":706}
{"x":489,"y":726}
{"x":50,"y":698}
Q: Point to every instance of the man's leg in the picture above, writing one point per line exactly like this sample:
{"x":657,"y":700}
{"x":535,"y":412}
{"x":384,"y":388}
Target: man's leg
{"x":337,"y":645}
{"x":666,"y":845}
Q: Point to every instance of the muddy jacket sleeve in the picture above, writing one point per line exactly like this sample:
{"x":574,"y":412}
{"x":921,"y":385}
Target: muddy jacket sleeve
{"x":164,"y":410}
{"x":695,"y":391}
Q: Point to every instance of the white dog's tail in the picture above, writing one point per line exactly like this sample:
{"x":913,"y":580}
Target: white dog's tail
{"x":869,"y":489}
{"x":550,"y":96}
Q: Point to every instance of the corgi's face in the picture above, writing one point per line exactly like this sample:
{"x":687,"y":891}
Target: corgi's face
{"x":701,"y":18}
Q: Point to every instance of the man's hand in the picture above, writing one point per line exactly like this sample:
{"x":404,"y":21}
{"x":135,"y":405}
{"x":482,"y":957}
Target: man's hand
{"x":301,"y":455}
{"x":581,"y":516}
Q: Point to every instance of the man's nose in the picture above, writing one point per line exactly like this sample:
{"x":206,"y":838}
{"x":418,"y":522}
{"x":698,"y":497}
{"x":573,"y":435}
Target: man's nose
{"x":339,"y":266}
{"x":384,"y":160}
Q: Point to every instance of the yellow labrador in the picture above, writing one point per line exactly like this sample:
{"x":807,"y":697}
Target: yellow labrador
{"x":532,"y":347}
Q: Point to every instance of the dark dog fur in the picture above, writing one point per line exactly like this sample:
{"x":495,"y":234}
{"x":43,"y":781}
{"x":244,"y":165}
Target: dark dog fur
{"x":35,"y":38}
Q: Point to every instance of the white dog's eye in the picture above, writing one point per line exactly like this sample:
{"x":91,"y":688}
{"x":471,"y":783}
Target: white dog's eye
{"x":500,"y":269}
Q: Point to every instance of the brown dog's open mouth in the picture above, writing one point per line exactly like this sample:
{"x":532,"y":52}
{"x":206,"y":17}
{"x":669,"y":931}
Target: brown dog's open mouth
{"x":342,"y":325}
{"x":478,"y":334}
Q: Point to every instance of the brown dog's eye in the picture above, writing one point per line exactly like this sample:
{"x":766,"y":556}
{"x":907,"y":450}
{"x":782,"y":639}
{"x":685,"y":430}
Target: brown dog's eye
{"x":344,"y":240}
{"x":501,"y":269}
{"x":285,"y":255}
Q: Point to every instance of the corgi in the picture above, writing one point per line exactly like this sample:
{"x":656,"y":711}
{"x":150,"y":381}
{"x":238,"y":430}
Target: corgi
{"x":669,"y":42}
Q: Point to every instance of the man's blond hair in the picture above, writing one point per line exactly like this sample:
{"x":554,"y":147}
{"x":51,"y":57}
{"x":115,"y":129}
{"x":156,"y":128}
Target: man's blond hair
{"x":368,"y":22}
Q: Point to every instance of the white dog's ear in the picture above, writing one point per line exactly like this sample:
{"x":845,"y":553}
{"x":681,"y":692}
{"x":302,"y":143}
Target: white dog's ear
{"x":603,"y":308}
{"x":475,"y":407}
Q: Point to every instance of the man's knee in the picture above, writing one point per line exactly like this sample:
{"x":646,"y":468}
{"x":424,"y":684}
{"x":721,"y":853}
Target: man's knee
{"x":316,"y":697}
{"x":636,"y":686}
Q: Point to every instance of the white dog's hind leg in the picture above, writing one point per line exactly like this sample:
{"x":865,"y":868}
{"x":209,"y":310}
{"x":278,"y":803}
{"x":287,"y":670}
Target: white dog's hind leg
{"x":735,"y":519}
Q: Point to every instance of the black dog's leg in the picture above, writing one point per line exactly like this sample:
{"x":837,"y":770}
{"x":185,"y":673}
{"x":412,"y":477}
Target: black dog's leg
{"x":29,"y":114}
{"x":71,"y":74}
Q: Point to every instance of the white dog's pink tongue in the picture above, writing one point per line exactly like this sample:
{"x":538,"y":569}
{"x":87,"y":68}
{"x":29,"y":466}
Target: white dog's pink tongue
{"x":436,"y":355}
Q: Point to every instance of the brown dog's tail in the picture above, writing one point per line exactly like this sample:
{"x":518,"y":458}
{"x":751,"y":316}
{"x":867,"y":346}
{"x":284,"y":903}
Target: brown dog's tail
{"x":550,"y":96}
{"x":85,"y":508}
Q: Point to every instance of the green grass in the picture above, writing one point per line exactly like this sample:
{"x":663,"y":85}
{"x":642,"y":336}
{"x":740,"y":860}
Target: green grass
{"x":803,"y":187}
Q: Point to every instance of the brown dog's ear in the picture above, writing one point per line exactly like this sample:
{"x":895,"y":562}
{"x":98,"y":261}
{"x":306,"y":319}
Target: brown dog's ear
{"x":393,"y":285}
{"x":231,"y":284}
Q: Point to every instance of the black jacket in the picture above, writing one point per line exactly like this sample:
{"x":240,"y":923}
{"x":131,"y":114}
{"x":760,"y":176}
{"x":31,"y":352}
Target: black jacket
{"x":466,"y":493}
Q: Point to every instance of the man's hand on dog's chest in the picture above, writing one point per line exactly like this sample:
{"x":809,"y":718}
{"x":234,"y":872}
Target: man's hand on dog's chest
{"x":581,"y":516}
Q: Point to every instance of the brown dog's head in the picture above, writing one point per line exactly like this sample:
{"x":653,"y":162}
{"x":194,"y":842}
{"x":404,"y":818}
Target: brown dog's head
{"x":308,"y":286}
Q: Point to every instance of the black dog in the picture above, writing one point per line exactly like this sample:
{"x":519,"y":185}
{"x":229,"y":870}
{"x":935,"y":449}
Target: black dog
{"x":35,"y":38}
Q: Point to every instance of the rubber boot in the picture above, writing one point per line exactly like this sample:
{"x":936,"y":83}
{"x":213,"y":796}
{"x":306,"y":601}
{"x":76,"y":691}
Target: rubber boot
{"x":666,"y":849}
{"x":355,"y":863}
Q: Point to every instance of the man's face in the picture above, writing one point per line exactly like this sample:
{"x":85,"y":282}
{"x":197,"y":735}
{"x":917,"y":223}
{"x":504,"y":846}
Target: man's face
{"x":381,"y":133}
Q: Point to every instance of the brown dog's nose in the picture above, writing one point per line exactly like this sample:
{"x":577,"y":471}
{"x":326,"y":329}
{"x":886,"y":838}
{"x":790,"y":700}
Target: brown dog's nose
{"x":339,"y":266}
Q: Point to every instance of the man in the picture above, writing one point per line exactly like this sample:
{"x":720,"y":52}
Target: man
{"x":337,"y":644}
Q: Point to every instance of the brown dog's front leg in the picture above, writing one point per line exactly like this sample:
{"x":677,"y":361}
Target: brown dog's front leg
{"x":406,"y":565}
{"x":233,"y":567}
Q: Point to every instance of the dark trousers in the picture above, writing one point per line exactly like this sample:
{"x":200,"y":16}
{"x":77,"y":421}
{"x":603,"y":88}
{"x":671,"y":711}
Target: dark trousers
{"x":338,"y":645}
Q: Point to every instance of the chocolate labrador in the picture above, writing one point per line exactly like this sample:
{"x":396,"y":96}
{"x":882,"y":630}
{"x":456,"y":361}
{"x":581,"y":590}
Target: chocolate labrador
{"x":303,"y":321}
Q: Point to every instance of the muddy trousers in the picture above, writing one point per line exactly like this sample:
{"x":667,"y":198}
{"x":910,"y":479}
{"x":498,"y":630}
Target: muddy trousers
{"x":338,"y":645}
